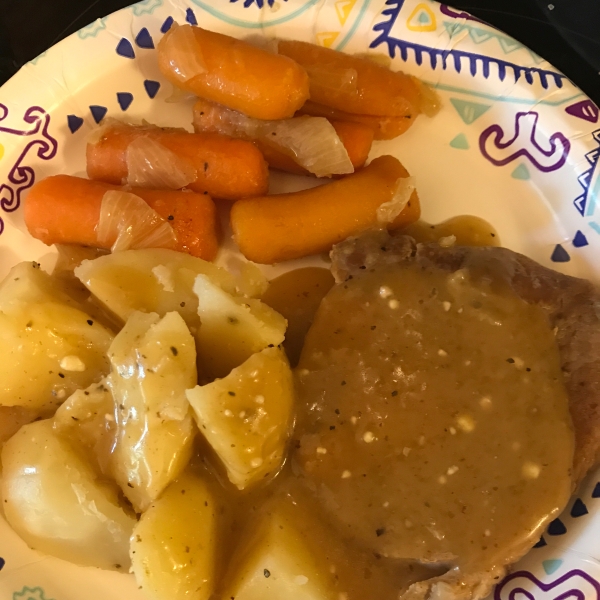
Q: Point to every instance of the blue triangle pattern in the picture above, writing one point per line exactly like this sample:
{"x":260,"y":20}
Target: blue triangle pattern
{"x":98,"y":112}
{"x":552,"y":565}
{"x":584,"y":179}
{"x":74,"y":122}
{"x":580,"y":203}
{"x":557,"y":527}
{"x":166,"y":25}
{"x":2,"y":563}
{"x":579,"y":509}
{"x":151,"y":87}
{"x":125,"y":49}
{"x":596,"y":135}
{"x":541,"y":543}
{"x":579,"y":241}
{"x":559,"y":255}
{"x":124,"y":99}
{"x":592,"y":157}
{"x":596,"y":492}
{"x":144,"y":40}
{"x":190,"y":17}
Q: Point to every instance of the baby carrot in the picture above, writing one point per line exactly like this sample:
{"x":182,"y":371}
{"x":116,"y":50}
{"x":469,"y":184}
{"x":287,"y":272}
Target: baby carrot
{"x":270,"y":229}
{"x":65,"y":210}
{"x":353,"y":84}
{"x":212,"y":117}
{"x":384,"y":128}
{"x":225,"y":168}
{"x":234,"y":73}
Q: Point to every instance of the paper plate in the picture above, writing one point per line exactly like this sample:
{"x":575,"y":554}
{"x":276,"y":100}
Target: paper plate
{"x":516,"y":143}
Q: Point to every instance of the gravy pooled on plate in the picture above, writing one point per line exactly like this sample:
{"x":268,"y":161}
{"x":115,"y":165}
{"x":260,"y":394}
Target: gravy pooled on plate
{"x":433,"y":421}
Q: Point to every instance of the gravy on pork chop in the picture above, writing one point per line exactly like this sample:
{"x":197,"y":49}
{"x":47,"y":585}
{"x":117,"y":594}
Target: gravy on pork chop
{"x":434,"y":419}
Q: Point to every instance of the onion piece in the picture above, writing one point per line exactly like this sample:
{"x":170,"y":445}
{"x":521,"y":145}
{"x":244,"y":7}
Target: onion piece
{"x":270,"y":45}
{"x":313,"y":144}
{"x":71,"y":256}
{"x":185,"y":55}
{"x":388,"y":211}
{"x":152,"y":165}
{"x":332,"y":79}
{"x":128,"y":222}
{"x":178,"y":95}
{"x":430,"y":103}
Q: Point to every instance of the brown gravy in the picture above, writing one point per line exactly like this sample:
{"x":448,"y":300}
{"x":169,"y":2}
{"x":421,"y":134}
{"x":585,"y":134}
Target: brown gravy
{"x":433,"y":422}
{"x":467,"y":229}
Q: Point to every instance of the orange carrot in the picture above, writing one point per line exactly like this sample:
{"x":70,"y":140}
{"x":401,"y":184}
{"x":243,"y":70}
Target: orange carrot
{"x":65,"y":210}
{"x":225,"y":168}
{"x":384,"y":128}
{"x":212,"y":117}
{"x":270,"y":229}
{"x":232,"y":72}
{"x":354,"y":84}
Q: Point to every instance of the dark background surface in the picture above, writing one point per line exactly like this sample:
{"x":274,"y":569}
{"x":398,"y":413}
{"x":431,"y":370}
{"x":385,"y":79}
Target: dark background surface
{"x":565,"y":32}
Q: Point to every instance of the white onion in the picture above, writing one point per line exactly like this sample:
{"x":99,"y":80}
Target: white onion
{"x":388,"y":211}
{"x":184,"y":53}
{"x":332,"y":78}
{"x":152,"y":165}
{"x":313,"y":143}
{"x":178,"y":95}
{"x":131,"y":223}
{"x":270,"y":45}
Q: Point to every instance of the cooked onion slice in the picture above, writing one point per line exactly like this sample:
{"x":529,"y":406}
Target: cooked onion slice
{"x":332,"y":79}
{"x":152,"y":165}
{"x":313,"y":143}
{"x":389,"y":210}
{"x":186,"y":58}
{"x":126,"y":222}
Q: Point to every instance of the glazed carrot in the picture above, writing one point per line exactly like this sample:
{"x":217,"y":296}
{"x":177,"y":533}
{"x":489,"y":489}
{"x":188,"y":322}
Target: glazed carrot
{"x":224,"y":167}
{"x":65,"y":210}
{"x":232,"y":72}
{"x":354,"y":84}
{"x":216,"y":118}
{"x":286,"y":226}
{"x":384,"y":128}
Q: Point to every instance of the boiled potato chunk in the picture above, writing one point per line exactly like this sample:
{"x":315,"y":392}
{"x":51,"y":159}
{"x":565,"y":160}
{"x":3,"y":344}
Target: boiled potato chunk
{"x":88,"y":418}
{"x":54,"y":500}
{"x":49,"y":346}
{"x":275,"y":562}
{"x":247,"y":416}
{"x":150,"y":280}
{"x":232,"y":328}
{"x":174,"y":546}
{"x":154,"y":362}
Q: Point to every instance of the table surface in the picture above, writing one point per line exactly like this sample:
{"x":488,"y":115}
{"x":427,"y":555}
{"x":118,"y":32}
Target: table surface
{"x":565,"y":32}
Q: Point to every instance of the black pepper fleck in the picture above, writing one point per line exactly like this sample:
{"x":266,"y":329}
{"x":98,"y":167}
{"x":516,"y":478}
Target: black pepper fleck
{"x":90,"y":322}
{"x":266,"y":572}
{"x":170,"y":217}
{"x":174,"y":351}
{"x":380,"y":531}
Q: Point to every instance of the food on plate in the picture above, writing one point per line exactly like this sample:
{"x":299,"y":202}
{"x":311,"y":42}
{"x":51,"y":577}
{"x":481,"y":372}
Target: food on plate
{"x":154,"y":280}
{"x":270,"y":229}
{"x":432,"y":378}
{"x":301,"y":145}
{"x":464,"y":230}
{"x":353,"y":84}
{"x":175,"y":546}
{"x":153,"y":157}
{"x":246,"y":417}
{"x":62,"y":209}
{"x":232,"y":328}
{"x":232,"y":72}
{"x":51,"y":345}
{"x":383,"y":127}
{"x":153,"y":363}
{"x":58,"y":504}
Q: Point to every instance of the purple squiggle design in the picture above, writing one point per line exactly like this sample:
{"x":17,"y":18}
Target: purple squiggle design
{"x":21,"y":177}
{"x":455,"y":14}
{"x":516,"y":588}
{"x":545,"y":160}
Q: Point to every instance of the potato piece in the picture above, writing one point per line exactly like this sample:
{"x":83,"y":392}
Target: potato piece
{"x":232,"y":329}
{"x":174,"y":545}
{"x":247,"y":416}
{"x":274,"y":561}
{"x":12,"y":418}
{"x":56,"y":503}
{"x":49,"y":345}
{"x":88,"y":418}
{"x":154,"y":362}
{"x":150,"y":280}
